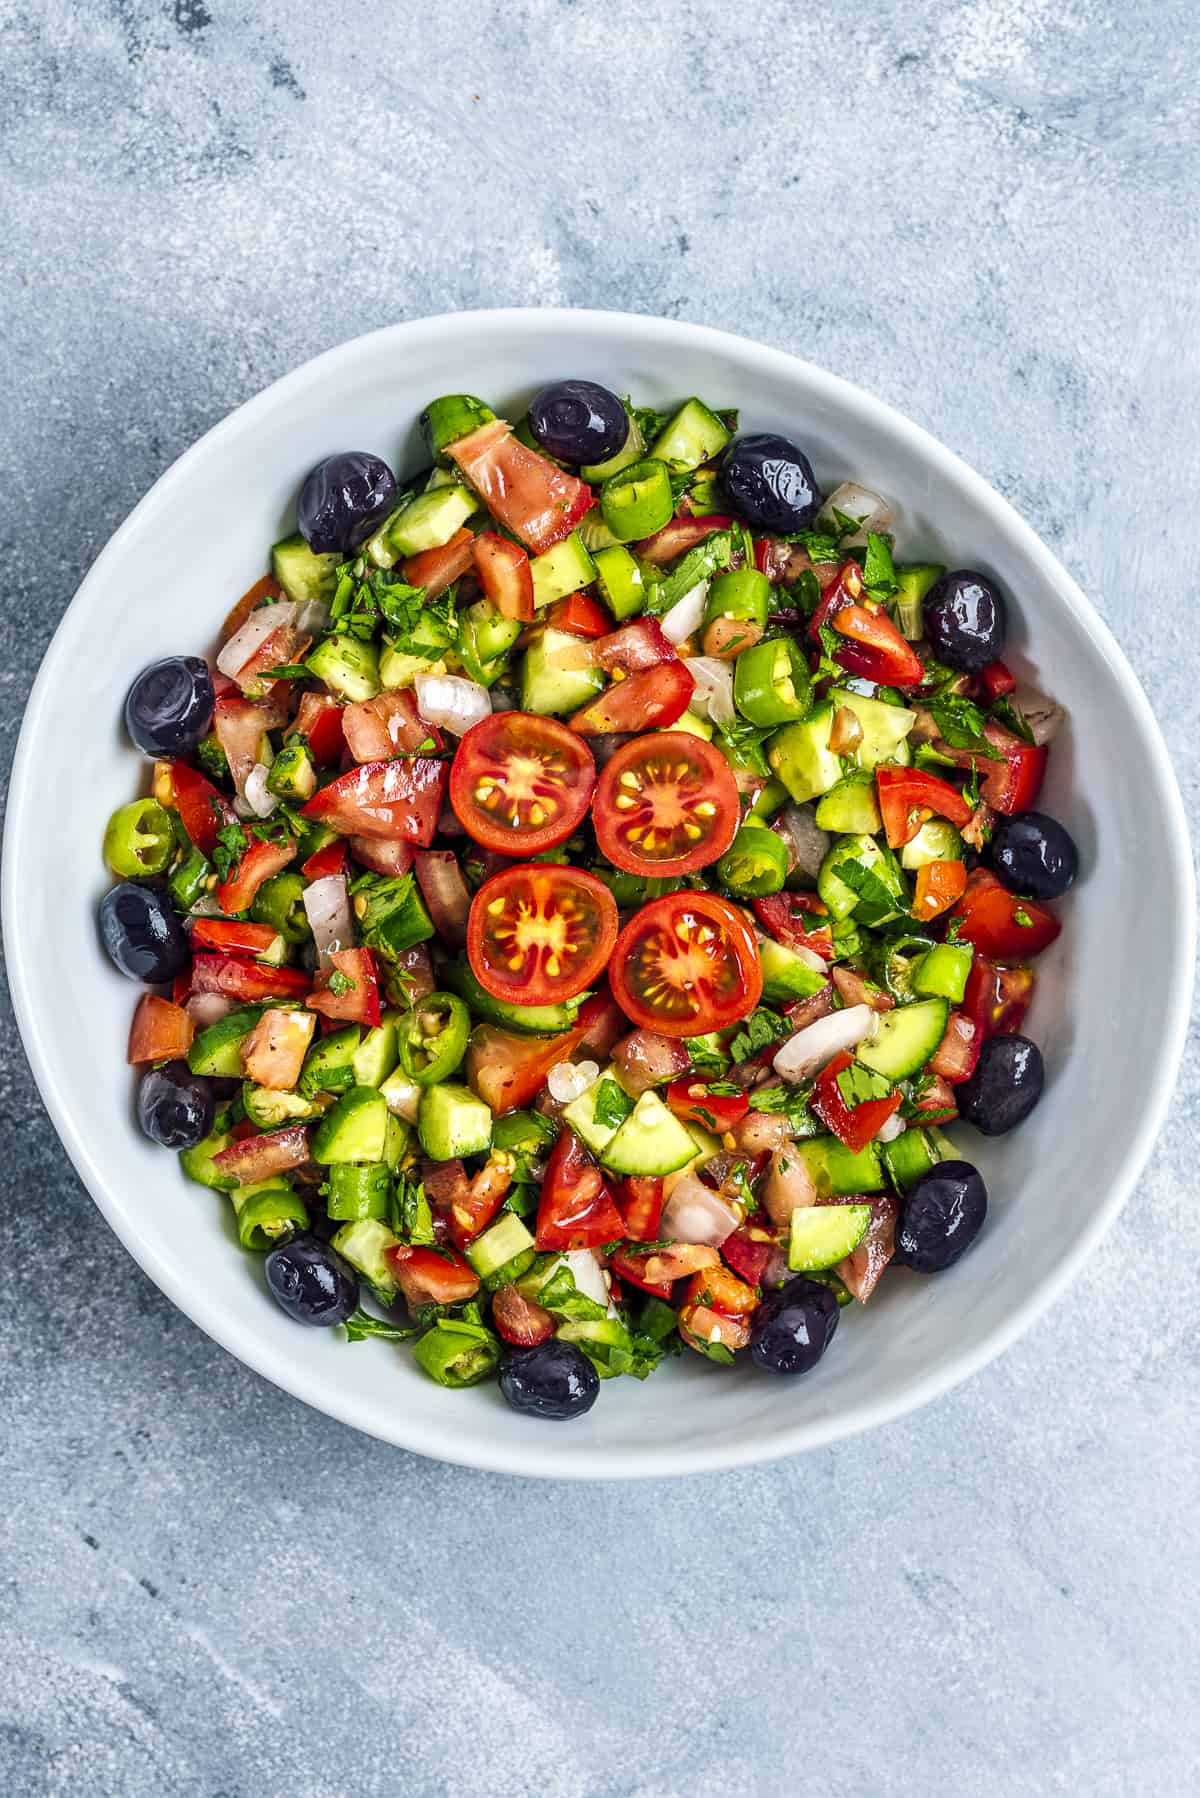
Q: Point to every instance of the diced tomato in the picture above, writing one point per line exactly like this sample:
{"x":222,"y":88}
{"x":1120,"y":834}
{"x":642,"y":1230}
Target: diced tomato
{"x":855,"y":1125}
{"x":400,"y":799}
{"x":1000,"y":924}
{"x":645,"y":1058}
{"x":691,"y":1100}
{"x":531,"y":497}
{"x":202,"y":809}
{"x":606,"y":1023}
{"x":853,"y":989}
{"x":894,"y":660}
{"x":319,"y":720}
{"x":509,"y":1071}
{"x":323,"y":862}
{"x":652,"y":699}
{"x":273,"y":1053}
{"x":473,"y":1209}
{"x":846,"y":589}
{"x":723,"y":1291}
{"x":800,"y":1013}
{"x":632,"y":1269}
{"x":238,"y":978}
{"x":388,"y":725}
{"x":996,"y":681}
{"x":750,"y":1251}
{"x":283,"y":645}
{"x":703,"y":1328}
{"x":937,"y":1103}
{"x":267,"y":588}
{"x":241,"y":725}
{"x":431,"y":1276}
{"x":520,"y":1320}
{"x":939,"y":884}
{"x":505,"y":575}
{"x":437,"y":569}
{"x":381,"y":856}
{"x":236,"y":936}
{"x":640,"y":644}
{"x":580,"y":615}
{"x":997,"y":997}
{"x":640,"y":1201}
{"x":958,"y":1051}
{"x":788,"y":917}
{"x":359,"y":1002}
{"x":160,"y":1031}
{"x":662,"y":1267}
{"x":861,"y":1269}
{"x":679,"y":535}
{"x":576,"y":1210}
{"x":259,"y":1157}
{"x":260,"y":860}
{"x":1012,"y":784}
{"x":908,"y":795}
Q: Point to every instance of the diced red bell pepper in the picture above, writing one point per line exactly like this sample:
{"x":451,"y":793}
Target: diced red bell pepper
{"x":323,"y":862}
{"x":319,"y":720}
{"x":939,"y":884}
{"x":1000,"y":924}
{"x":997,"y":997}
{"x":693,"y":1103}
{"x":956,"y":1055}
{"x":249,"y":981}
{"x":855,"y":1125}
{"x":750,"y":1251}
{"x":652,"y":699}
{"x":908,"y":795}
{"x":437,"y":569}
{"x":259,"y":1157}
{"x":260,"y":860}
{"x":581,"y":616}
{"x":641,"y":644}
{"x":996,"y":680}
{"x":640,"y":1201}
{"x":236,"y":936}
{"x":576,"y":1210}
{"x":526,"y":492}
{"x":203,"y":811}
{"x":845,"y":590}
{"x":788,"y":918}
{"x":431,"y":1276}
{"x":679,"y":535}
{"x":894,"y":661}
{"x":356,"y":1003}
{"x":398,"y":799}
{"x":505,"y":575}
{"x":160,"y":1031}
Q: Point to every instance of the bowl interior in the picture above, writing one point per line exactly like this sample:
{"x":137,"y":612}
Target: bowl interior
{"x":1110,"y":1025}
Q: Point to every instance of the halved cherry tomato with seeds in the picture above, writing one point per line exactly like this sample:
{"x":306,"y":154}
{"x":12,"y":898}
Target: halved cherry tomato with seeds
{"x":686,"y":964}
{"x":431,"y":1276}
{"x":665,"y":805}
{"x":520,"y":784}
{"x":939,"y":884}
{"x":539,"y":933}
{"x":640,"y":1201}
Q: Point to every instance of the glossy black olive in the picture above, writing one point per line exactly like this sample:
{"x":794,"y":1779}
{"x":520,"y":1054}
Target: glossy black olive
{"x":941,"y":1215}
{"x":343,"y":500}
{"x":1034,"y":855}
{"x":579,"y":421}
{"x":142,"y":933}
{"x":771,"y":483}
{"x":169,"y":707}
{"x":554,"y":1380}
{"x":966,"y":620}
{"x":311,"y":1282}
{"x":791,"y":1330}
{"x":174,"y":1106}
{"x":1005,"y":1087}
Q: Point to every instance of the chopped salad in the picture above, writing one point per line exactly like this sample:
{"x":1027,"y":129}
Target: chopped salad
{"x":587,"y":885}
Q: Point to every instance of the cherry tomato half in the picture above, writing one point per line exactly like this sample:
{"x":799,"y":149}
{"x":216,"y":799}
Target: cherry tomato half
{"x":520,"y":783}
{"x":539,"y":933}
{"x":667,"y":803}
{"x":686,"y":964}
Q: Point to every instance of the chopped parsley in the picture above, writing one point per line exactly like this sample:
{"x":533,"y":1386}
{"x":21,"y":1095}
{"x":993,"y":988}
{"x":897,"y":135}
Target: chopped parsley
{"x":612,"y":1104}
{"x":704,"y":1058}
{"x":762,"y":1028}
{"x":879,"y":570}
{"x":360,"y":1325}
{"x":340,"y":983}
{"x":232,"y":843}
{"x":960,"y":724}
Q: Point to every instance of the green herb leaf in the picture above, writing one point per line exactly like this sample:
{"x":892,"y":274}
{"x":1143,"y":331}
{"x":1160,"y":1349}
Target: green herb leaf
{"x":561,"y":1295}
{"x":704,"y":1058}
{"x":1008,"y":712}
{"x":232,"y":843}
{"x":612,"y":1104}
{"x":960,"y":724}
{"x":859,"y":1085}
{"x":757,"y":1032}
{"x":340,"y":983}
{"x":879,"y":571}
{"x":360,"y":1324}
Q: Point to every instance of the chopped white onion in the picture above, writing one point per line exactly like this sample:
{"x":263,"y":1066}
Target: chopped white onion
{"x":249,"y":638}
{"x":402,"y":1096}
{"x":872,"y":511}
{"x":312,"y":617}
{"x":587,"y":1274}
{"x":452,"y":701}
{"x":686,"y":615}
{"x":714,"y":687}
{"x":327,"y":908}
{"x":807,"y":1052}
{"x":694,"y":1213}
{"x":893,"y":1127}
{"x":208,"y":1008}
{"x":1043,"y":716}
{"x":205,"y":907}
{"x":569,"y":1080}
{"x":261,"y":803}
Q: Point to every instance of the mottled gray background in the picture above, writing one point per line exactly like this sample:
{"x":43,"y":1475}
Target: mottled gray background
{"x":984,"y":210}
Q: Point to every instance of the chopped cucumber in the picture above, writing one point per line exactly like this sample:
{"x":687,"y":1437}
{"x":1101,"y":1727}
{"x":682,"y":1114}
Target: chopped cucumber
{"x":942,"y":972}
{"x":377,"y":1053}
{"x":823,"y":1235}
{"x":399,"y":664}
{"x":580,"y":1114}
{"x":197,"y":1162}
{"x":347,"y":666}
{"x":364,"y":1244}
{"x":850,"y":808}
{"x":799,"y":754}
{"x":936,"y":841}
{"x":885,"y":728}
{"x":538,"y":1019}
{"x":496,"y":1248}
{"x":786,"y":975}
{"x":596,"y":473}
{"x":693,"y":436}
{"x":217,"y":1051}
{"x":354,"y":1129}
{"x":904,"y":1039}
{"x":266,"y":1108}
{"x":561,"y":570}
{"x":449,"y":417}
{"x":326,"y":1061}
{"x":302,"y":573}
{"x":430,"y":520}
{"x":914,"y":580}
{"x":650,"y":1141}
{"x":547,"y":687}
{"x":907,"y":1157}
{"x":837,"y":1170}
{"x":693,"y":725}
{"x":882,"y":899}
{"x":452,"y":1122}
{"x":619,"y":576}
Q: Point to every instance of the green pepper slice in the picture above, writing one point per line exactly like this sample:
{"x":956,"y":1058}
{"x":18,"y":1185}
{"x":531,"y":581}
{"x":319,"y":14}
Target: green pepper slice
{"x":754,"y":864}
{"x":433,"y":1038}
{"x":279,"y":902}
{"x":738,"y":593}
{"x":189,"y":881}
{"x":139,"y":839}
{"x":771,"y":682}
{"x":637,"y":501}
{"x":268,"y":1218}
{"x":457,"y":1354}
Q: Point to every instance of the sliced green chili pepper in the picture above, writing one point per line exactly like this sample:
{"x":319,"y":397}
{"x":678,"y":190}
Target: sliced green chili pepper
{"x":279,"y":902}
{"x":457,"y":1354}
{"x":267,"y":1218}
{"x":139,"y":839}
{"x":190,"y":879}
{"x":771,"y":682}
{"x":636,"y":889}
{"x":357,"y":1190}
{"x":433,"y":1038}
{"x":738,"y":593}
{"x":754,"y":863}
{"x":637,"y":501}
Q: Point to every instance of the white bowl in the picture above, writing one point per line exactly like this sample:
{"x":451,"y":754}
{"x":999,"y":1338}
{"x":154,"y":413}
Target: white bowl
{"x":1112,"y":998}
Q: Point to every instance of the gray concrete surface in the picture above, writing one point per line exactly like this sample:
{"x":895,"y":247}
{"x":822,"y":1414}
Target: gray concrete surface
{"x":982,"y":209}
